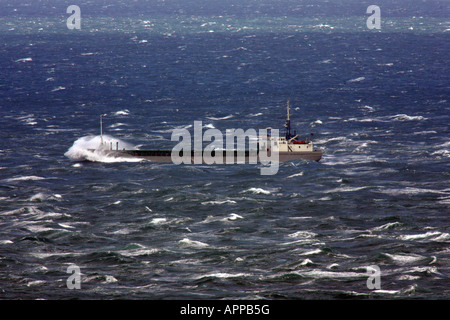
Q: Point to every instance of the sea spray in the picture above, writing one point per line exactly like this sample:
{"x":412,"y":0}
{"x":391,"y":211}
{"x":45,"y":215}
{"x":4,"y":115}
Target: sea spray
{"x":90,"y":148}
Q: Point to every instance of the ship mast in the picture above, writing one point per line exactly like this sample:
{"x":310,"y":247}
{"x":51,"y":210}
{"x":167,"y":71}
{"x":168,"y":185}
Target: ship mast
{"x":288,"y":122}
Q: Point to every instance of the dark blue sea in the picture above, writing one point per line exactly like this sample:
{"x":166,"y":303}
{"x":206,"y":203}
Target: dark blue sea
{"x":376,"y":100}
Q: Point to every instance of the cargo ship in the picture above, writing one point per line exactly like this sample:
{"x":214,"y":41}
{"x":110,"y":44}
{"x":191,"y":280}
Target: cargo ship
{"x":288,"y":146}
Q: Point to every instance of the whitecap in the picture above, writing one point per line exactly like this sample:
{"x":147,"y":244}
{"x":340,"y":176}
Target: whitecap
{"x":432,"y":235}
{"x":223,"y":275}
{"x":58,"y":89}
{"x":24,"y":59}
{"x":209,"y":126}
{"x":368,"y":108}
{"x":219,"y":202}
{"x":387,"y":226}
{"x":425,"y":132}
{"x":138,"y":252}
{"x":302,"y":234}
{"x":66,"y":226}
{"x":221,"y":118}
{"x":442,"y":153}
{"x":331,"y":274}
{"x":409,"y":191}
{"x":306,"y":262}
{"x":38,"y":229}
{"x":311,"y":252}
{"x":356,"y":79}
{"x":232,"y":217}
{"x":295,"y":175}
{"x":124,"y":112}
{"x":35,"y":283}
{"x":346,"y":189}
{"x":40,"y":196}
{"x":405,"y":259}
{"x":380,"y":291}
{"x":192,"y":243}
{"x":157,"y":221}
{"x":25,"y":178}
{"x":405,"y":117}
{"x":110,"y":279}
{"x":258,"y":191}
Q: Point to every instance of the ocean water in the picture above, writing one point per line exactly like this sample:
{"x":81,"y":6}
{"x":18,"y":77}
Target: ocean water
{"x":377,"y":102}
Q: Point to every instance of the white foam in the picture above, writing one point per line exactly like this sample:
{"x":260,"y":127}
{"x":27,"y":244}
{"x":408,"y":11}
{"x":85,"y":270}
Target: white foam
{"x":331,"y":274}
{"x":302,"y":234}
{"x":36,"y":283}
{"x":223,"y":275}
{"x":219,"y":202}
{"x":387,"y":226}
{"x":39,"y":197}
{"x":405,"y":259}
{"x":405,"y":117}
{"x":258,"y":191}
{"x":410,"y":190}
{"x":296,"y":175}
{"x":432,"y":235}
{"x":357,"y":79}
{"x":306,"y":262}
{"x":58,"y":89}
{"x":89,"y":148}
{"x":441,"y":153}
{"x":346,"y":189}
{"x":25,"y":178}
{"x":24,"y":60}
{"x":209,"y":126}
{"x":124,"y":112}
{"x":232,"y":217}
{"x":157,"y":221}
{"x":66,"y":226}
{"x":192,"y":243}
{"x":398,"y":117}
{"x":311,"y":252}
{"x":221,"y":118}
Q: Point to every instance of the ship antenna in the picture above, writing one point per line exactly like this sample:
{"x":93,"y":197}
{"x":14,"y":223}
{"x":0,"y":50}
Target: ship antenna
{"x":101,"y":128}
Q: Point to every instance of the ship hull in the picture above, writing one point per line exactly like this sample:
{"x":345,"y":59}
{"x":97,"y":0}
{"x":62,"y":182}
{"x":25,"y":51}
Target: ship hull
{"x":238,"y":157}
